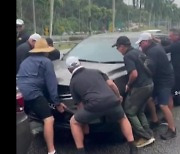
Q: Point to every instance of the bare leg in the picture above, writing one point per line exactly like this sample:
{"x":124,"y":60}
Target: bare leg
{"x":49,"y":133}
{"x":168,"y":115}
{"x":126,"y":129}
{"x":171,"y":103}
{"x":77,"y":132}
{"x":152,"y":108}
{"x":127,"y":132}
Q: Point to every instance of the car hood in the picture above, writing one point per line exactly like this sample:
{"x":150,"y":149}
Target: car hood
{"x":114,"y":70}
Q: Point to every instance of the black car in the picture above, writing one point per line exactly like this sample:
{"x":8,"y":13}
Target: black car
{"x":93,"y":52}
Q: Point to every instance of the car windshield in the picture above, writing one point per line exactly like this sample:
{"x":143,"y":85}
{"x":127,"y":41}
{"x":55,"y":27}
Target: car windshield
{"x":98,"y":49}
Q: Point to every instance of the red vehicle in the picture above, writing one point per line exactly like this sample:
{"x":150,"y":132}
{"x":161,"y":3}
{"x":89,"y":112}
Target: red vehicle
{"x":23,"y":132}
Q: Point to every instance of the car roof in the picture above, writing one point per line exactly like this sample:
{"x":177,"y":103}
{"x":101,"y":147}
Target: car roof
{"x":153,"y":30}
{"x":128,"y":34}
{"x":116,"y":34}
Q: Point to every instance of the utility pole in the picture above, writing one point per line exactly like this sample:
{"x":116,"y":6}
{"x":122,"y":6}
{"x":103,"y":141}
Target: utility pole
{"x":34,"y":16}
{"x":89,"y":16}
{"x":113,"y":15}
{"x":128,"y":15}
{"x":51,"y":17}
{"x":21,"y":9}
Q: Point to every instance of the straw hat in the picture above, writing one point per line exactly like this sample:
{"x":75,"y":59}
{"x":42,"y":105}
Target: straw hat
{"x":41,"y":46}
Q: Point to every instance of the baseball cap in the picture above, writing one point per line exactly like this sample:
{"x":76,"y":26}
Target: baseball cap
{"x":143,"y":37}
{"x":19,"y":22}
{"x":35,"y":36}
{"x":72,"y":62}
{"x":122,"y":40}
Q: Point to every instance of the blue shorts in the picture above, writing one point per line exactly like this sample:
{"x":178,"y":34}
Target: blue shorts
{"x":162,"y":95}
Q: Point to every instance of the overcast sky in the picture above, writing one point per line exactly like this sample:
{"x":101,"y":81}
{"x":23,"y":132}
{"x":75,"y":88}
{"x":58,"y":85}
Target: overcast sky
{"x":130,"y":2}
{"x":177,"y":2}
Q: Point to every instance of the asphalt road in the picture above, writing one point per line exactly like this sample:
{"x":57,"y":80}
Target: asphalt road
{"x":110,"y":144}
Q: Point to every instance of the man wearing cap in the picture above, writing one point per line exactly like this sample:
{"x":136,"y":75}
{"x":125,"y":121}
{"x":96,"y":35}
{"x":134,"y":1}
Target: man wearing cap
{"x":55,"y":54}
{"x":139,"y":88}
{"x":22,"y":51}
{"x":163,"y":77}
{"x":22,"y":35}
{"x":96,"y":96}
{"x":174,"y":49}
{"x":35,"y":76}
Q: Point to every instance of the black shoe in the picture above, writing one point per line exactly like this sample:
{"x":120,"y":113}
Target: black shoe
{"x":154,"y":125}
{"x":133,"y":148}
{"x":81,"y":151}
{"x":168,"y":135}
{"x":163,"y":121}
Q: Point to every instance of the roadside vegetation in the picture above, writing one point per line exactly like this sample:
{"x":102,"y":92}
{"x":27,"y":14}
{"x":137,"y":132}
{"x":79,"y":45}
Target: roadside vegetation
{"x":71,"y":17}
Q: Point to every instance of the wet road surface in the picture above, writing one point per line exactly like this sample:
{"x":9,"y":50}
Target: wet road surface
{"x":110,"y":143}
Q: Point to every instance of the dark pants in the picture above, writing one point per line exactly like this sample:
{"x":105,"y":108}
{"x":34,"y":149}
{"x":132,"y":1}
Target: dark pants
{"x":40,"y":106}
{"x":134,"y":107}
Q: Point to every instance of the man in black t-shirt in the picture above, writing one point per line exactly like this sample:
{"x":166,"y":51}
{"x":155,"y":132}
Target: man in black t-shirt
{"x":139,"y":89}
{"x":96,"y":96}
{"x":174,"y":49}
{"x":22,"y":35}
{"x":22,"y":51}
{"x":55,"y":54}
{"x":163,"y":77}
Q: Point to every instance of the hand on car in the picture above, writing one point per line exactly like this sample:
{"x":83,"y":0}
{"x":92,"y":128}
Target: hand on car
{"x":127,"y":88}
{"x":120,"y":99}
{"x":61,"y":107}
{"x":156,"y":39}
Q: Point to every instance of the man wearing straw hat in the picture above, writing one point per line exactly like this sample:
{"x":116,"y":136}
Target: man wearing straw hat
{"x":36,"y":75}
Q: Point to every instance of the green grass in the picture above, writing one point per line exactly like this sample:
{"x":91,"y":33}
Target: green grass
{"x":64,"y":45}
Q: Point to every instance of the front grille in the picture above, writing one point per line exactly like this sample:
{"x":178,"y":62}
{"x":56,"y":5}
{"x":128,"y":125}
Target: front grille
{"x":64,"y":92}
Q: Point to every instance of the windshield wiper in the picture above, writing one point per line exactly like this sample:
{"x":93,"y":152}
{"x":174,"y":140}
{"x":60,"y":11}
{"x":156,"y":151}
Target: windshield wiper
{"x":107,"y":62}
{"x":113,"y":62}
{"x":85,"y":60}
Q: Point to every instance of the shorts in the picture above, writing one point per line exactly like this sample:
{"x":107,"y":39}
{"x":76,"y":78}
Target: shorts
{"x":85,"y":117}
{"x":40,"y":106}
{"x":162,"y":95}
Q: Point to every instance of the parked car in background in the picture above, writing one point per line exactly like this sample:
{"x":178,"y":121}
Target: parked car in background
{"x":153,"y":31}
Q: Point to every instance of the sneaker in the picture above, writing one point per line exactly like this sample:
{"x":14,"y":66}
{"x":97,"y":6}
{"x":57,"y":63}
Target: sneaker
{"x":144,"y":142}
{"x":163,"y":121}
{"x":81,"y":151}
{"x":168,"y":135}
{"x":133,"y":148}
{"x":154,"y":125}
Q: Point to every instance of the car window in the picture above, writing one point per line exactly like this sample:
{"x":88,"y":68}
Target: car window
{"x":98,"y":49}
